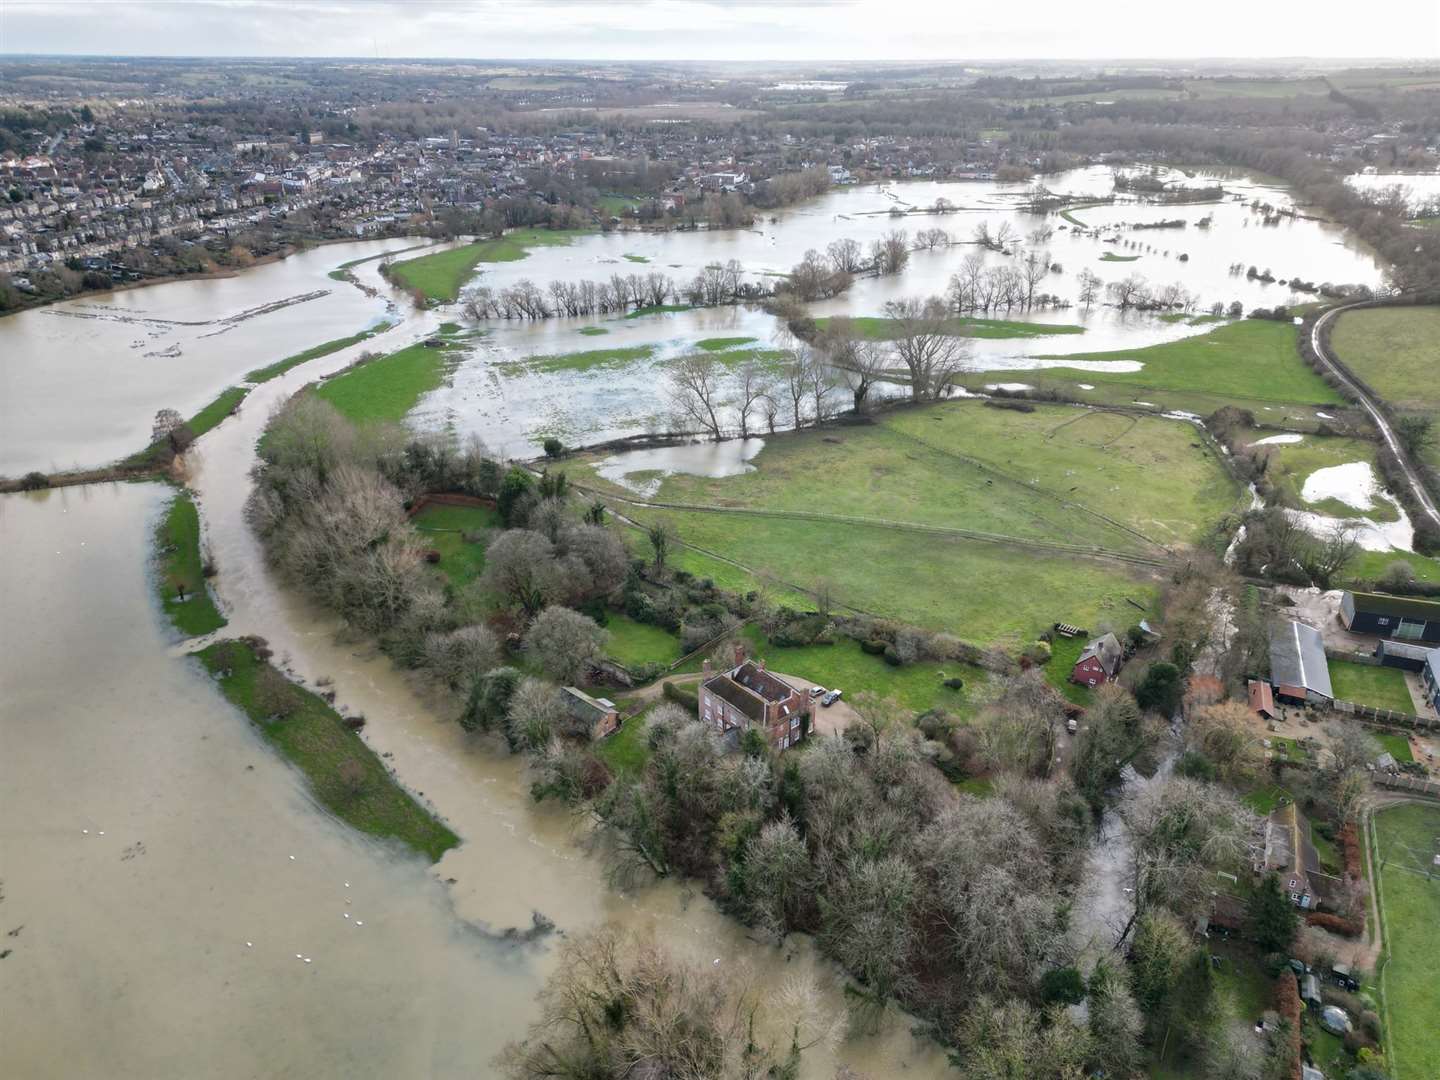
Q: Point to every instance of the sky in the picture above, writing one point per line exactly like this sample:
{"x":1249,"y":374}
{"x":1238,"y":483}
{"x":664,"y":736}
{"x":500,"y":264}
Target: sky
{"x":716,"y":30}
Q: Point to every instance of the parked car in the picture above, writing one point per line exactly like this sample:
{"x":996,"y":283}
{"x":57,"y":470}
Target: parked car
{"x":1343,"y":978}
{"x":832,"y":697}
{"x":816,"y":691}
{"x":1072,"y":725}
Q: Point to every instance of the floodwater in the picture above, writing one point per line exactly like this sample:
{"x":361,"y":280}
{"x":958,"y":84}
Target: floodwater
{"x":642,"y":470}
{"x":1418,"y":188}
{"x":163,"y":928}
{"x":81,"y":381}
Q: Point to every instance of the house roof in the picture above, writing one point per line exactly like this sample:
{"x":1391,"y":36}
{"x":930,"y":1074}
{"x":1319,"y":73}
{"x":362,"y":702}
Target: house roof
{"x":1297,"y":658}
{"x":1407,"y":649}
{"x":1261,"y":699}
{"x":584,"y":707}
{"x":755,"y":678}
{"x":1400,"y":606}
{"x":1106,"y":649}
{"x":732,"y":693}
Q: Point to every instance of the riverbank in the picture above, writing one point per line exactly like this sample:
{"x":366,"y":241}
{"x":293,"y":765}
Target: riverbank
{"x":183,"y":571}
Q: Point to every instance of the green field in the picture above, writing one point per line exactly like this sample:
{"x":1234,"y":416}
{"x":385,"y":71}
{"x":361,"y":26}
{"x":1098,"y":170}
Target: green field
{"x":386,"y":388}
{"x":1379,"y":687}
{"x":1252,"y":363}
{"x":260,"y":375}
{"x":313,"y":737}
{"x":217,"y":410}
{"x":177,"y":542}
{"x":443,"y":527}
{"x":720,"y":344}
{"x":440,"y":276}
{"x":1292,"y":463}
{"x":1110,"y":256}
{"x":1397,"y":351}
{"x":1370,"y":565}
{"x":877,"y":328}
{"x":1410,"y":904}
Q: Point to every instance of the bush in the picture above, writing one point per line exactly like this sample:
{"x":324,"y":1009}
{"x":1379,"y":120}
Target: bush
{"x":1334,"y":923}
{"x":1062,"y":986}
{"x":892,"y":657}
{"x":873,"y":647}
{"x":34,"y":481}
{"x":1159,"y":690}
{"x":553,"y":447}
{"x":954,"y":683}
{"x":1196,"y":766}
{"x":682,"y":697}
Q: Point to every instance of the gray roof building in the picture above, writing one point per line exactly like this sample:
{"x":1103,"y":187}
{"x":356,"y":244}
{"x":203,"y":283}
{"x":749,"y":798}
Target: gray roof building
{"x":1298,"y":668}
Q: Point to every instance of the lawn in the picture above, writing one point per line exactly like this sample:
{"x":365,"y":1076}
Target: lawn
{"x":177,"y":543}
{"x":878,"y":328}
{"x":260,"y":375}
{"x":1379,"y":687}
{"x":1410,"y":905}
{"x":1264,"y":800}
{"x":634,"y":644}
{"x":386,"y":388}
{"x":845,"y":666}
{"x":315,"y":739}
{"x":440,"y":276}
{"x":1367,"y":566}
{"x":443,"y":528}
{"x":1292,"y":463}
{"x":1064,"y":652}
{"x":1252,"y":362}
{"x":996,"y":471}
{"x":1398,"y":746}
{"x":627,"y":750}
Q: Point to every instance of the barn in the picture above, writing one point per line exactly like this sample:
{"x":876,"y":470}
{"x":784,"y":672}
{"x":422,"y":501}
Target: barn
{"x":1299,"y":670}
{"x":1402,"y":655}
{"x":1099,"y":661}
{"x":1405,"y":617}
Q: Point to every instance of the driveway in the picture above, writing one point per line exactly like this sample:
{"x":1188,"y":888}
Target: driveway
{"x":1322,"y":611}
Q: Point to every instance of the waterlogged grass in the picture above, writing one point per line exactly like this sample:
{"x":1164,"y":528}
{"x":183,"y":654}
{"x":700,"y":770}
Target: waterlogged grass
{"x":636,"y":258}
{"x":720,"y":344}
{"x":1250,"y":362}
{"x":177,"y":542}
{"x":593,"y":331}
{"x":386,"y":388}
{"x":1380,"y":687}
{"x":1110,"y":256}
{"x":878,"y":328}
{"x":1410,"y":900}
{"x":264,"y":374}
{"x":217,"y":410}
{"x":659,"y":309}
{"x":344,"y":774}
{"x":1291,"y":464}
{"x":583,"y":360}
{"x":443,"y":528}
{"x":441,"y":275}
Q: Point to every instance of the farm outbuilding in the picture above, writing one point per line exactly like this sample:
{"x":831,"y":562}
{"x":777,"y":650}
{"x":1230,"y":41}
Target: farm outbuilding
{"x":1403,"y":617}
{"x":1402,"y":654}
{"x":1299,"y":670}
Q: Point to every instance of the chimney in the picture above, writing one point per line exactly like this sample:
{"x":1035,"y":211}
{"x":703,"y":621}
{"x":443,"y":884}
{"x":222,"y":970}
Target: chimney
{"x":739,"y":654}
{"x":705,"y":669}
{"x":762,"y":663}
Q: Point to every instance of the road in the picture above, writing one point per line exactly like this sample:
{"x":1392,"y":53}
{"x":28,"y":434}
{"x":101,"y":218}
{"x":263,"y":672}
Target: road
{"x":1382,"y":423}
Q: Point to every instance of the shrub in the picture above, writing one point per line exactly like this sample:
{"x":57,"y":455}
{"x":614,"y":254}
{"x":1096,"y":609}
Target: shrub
{"x":682,"y":697}
{"x":892,"y":656}
{"x":873,"y":647}
{"x":1160,"y":688}
{"x":954,"y":683}
{"x":274,"y":694}
{"x":1196,"y":766}
{"x":553,"y":447}
{"x":1062,"y":986}
{"x":1335,"y":924}
{"x":34,"y":481}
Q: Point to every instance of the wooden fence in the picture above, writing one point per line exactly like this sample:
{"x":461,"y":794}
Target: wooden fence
{"x":1369,"y":714}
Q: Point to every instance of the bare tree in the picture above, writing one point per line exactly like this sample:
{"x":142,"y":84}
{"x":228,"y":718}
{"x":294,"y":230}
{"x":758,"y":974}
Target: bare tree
{"x":1033,"y":268}
{"x":695,"y":391}
{"x":846,"y":256}
{"x":932,"y":354}
{"x":752,"y":386}
{"x":460,"y":655}
{"x":1090,"y":286}
{"x":566,"y":643}
{"x":1127,"y":291}
{"x":930,"y":239}
{"x":520,"y":566}
{"x":891,"y":252}
{"x":795,"y":379}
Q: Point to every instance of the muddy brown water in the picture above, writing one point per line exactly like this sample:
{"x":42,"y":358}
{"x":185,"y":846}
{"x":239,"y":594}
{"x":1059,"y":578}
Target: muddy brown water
{"x":175,"y":943}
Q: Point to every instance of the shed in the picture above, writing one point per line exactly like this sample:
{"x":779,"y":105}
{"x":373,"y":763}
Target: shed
{"x":1405,"y":617}
{"x":1404,"y":655}
{"x":1298,"y":668}
{"x":1310,"y":989}
{"x":599,"y":714}
{"x":1262,"y":700}
{"x":1430,"y":679}
{"x":1099,"y":661}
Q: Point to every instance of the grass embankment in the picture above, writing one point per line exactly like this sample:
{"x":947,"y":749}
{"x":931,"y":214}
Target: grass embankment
{"x":440,"y":276}
{"x":177,"y":542}
{"x":264,"y":374}
{"x":345,"y":775}
{"x":1252,"y":363}
{"x":386,"y":388}
{"x":1111,"y":257}
{"x":444,"y":529}
{"x":1365,"y":684}
{"x":878,"y":328}
{"x":1397,"y":352}
{"x":1410,"y":906}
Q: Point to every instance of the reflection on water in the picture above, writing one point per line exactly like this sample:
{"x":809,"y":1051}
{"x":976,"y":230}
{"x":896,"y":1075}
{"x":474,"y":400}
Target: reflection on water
{"x":642,"y":470}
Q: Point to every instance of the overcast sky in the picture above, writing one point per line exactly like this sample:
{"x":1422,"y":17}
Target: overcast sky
{"x":801,"y":30}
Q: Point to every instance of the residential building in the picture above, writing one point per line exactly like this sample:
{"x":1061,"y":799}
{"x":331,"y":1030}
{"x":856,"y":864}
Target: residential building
{"x":1430,"y":679}
{"x":748,"y":695}
{"x":1099,"y":662}
{"x":1405,"y":617}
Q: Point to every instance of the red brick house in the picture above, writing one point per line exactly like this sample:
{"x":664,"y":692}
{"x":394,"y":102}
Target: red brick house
{"x":599,"y":714}
{"x":748,"y":695}
{"x":1099,"y":662}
